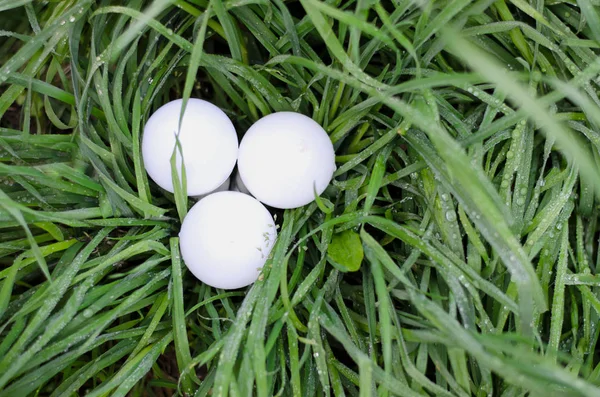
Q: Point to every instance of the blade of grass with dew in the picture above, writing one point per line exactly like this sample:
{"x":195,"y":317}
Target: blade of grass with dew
{"x":182,"y":347}
{"x":485,"y":65}
{"x":427,"y":96}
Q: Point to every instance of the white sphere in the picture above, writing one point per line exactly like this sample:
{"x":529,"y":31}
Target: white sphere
{"x":283,"y":157}
{"x":208,"y":141}
{"x":226,"y":238}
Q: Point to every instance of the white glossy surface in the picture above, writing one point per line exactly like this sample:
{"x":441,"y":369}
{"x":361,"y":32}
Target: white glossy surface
{"x":283,"y":156}
{"x":208,"y":140}
{"x":226,"y":238}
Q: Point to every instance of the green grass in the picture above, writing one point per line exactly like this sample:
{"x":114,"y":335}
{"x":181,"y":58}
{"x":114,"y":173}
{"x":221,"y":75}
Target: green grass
{"x":466,"y":193}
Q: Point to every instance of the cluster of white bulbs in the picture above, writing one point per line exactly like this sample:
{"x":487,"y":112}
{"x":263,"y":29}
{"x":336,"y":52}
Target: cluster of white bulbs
{"x":283,"y":159}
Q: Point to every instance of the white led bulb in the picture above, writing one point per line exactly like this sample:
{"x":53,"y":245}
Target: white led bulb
{"x":208,"y":141}
{"x":284,"y":157}
{"x":226,"y":239}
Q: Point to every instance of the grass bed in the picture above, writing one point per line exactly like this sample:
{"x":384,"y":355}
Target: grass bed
{"x":467,"y":144}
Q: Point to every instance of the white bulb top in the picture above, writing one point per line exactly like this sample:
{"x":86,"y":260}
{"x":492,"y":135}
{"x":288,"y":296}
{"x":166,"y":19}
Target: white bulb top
{"x":208,"y":142}
{"x":226,"y":238}
{"x":283,"y":157}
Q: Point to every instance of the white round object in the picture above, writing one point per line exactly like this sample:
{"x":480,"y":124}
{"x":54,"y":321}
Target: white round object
{"x":226,"y":238}
{"x":284,"y":157}
{"x":208,"y":142}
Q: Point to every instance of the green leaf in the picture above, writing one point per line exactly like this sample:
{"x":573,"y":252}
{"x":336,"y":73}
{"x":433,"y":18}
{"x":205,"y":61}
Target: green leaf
{"x":345,"y":251}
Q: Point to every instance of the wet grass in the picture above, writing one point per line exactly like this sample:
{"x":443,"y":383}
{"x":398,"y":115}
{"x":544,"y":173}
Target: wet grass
{"x":466,"y":135}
